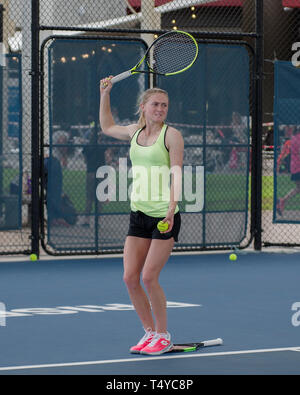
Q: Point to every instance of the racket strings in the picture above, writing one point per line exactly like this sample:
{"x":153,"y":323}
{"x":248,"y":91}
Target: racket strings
{"x":172,"y":53}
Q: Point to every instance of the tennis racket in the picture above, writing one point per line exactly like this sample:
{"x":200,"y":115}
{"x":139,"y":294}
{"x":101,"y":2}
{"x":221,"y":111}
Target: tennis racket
{"x":171,"y":53}
{"x":190,"y":347}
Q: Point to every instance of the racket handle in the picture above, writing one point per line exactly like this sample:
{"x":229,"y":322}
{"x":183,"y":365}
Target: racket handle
{"x":121,"y":76}
{"x":213,"y":342}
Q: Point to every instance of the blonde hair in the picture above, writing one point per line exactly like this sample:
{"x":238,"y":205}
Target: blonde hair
{"x":145,"y":96}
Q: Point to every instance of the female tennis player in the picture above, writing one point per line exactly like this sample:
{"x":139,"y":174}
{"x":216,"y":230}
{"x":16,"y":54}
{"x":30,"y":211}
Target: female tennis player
{"x":152,"y":144}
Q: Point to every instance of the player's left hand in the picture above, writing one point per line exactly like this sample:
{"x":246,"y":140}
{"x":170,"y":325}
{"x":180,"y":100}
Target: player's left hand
{"x":169,"y":218}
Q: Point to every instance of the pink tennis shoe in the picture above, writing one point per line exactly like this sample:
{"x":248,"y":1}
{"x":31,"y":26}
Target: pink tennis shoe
{"x":153,"y":343}
{"x":145,"y":340}
{"x":160,"y":344}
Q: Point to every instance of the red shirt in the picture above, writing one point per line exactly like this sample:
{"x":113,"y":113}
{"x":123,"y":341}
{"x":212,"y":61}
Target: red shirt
{"x":295,"y":154}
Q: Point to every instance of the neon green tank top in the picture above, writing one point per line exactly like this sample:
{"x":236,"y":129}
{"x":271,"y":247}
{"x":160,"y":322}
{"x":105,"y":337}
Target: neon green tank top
{"x":150,"y":176}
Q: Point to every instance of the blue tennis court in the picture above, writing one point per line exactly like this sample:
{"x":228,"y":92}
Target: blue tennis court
{"x":73,"y":316}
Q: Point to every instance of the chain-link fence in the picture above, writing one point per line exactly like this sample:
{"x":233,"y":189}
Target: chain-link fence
{"x":216,"y":106}
{"x":281,"y":119}
{"x":214,"y":138}
{"x":15,"y":129}
{"x":217,"y":141}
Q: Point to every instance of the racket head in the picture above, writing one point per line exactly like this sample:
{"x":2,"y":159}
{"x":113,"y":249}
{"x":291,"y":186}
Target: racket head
{"x":162,"y":57}
{"x":190,"y":347}
{"x":172,"y":53}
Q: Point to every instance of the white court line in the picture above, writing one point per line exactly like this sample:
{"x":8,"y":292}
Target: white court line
{"x":149,"y":358}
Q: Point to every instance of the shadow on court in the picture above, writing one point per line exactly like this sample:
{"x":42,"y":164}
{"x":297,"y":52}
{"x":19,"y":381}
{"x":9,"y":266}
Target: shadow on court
{"x":74,"y":316}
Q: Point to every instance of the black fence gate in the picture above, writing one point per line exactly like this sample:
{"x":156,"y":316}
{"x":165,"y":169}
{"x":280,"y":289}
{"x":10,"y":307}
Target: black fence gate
{"x":212,"y":112}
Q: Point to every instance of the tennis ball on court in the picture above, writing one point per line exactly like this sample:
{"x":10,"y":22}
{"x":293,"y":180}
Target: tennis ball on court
{"x":233,"y":257}
{"x":162,"y":226}
{"x":33,"y":257}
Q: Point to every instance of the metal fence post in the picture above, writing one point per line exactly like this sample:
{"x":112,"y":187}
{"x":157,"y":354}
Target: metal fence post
{"x":1,"y":99}
{"x":35,"y":113}
{"x":256,"y":195}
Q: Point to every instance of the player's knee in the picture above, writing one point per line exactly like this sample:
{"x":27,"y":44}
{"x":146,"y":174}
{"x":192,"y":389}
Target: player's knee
{"x":132,"y":281}
{"x":149,"y":281}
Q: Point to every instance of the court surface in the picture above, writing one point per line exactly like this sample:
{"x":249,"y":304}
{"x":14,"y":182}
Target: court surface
{"x":73,"y":316}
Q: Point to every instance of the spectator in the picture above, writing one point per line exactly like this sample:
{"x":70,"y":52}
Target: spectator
{"x":295,"y":171}
{"x":60,"y":208}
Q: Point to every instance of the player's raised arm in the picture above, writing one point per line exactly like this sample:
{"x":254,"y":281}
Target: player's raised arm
{"x":107,"y":123}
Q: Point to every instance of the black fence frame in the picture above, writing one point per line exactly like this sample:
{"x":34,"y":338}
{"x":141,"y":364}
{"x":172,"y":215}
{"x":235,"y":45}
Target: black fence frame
{"x":44,"y":146}
{"x":256,"y":144}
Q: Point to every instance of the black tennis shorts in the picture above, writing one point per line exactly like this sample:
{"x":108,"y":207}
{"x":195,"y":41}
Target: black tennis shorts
{"x":142,"y":225}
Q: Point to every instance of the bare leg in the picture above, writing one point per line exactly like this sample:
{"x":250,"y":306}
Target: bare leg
{"x":135,"y":253}
{"x":157,"y":257}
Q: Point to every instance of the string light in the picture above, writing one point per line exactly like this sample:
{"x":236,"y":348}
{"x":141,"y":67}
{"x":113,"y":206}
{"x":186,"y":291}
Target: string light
{"x":64,"y":59}
{"x":193,"y":16}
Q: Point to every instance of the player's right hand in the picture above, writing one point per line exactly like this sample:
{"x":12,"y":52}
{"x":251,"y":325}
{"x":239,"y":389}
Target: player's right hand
{"x":105,"y":84}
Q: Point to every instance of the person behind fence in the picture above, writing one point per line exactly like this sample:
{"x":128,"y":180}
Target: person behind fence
{"x":238,"y":136}
{"x":284,"y":159}
{"x":268,"y":143}
{"x":94,"y":155}
{"x":60,"y":208}
{"x":294,"y":170}
{"x":146,"y":250}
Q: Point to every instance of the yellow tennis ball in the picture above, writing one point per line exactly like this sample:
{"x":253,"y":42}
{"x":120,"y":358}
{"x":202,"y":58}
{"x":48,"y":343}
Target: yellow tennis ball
{"x":233,"y":257}
{"x":162,"y":226}
{"x":33,"y":257}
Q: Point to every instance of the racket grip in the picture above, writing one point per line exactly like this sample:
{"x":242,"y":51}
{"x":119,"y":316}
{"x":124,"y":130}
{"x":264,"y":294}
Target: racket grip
{"x":213,"y":342}
{"x":121,"y":76}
